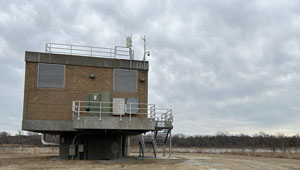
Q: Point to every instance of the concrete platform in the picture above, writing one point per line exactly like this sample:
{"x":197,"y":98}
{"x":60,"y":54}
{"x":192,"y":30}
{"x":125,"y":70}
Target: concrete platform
{"x":109,"y":122}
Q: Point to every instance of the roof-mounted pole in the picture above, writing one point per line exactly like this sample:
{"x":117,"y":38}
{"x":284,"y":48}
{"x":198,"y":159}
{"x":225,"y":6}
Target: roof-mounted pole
{"x":145,"y":51}
{"x":144,"y":39}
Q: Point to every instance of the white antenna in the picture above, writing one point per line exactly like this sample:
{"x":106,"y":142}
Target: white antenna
{"x":128,"y":42}
{"x":129,"y":45}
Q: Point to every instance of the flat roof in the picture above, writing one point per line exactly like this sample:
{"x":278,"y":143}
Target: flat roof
{"x":50,"y":58}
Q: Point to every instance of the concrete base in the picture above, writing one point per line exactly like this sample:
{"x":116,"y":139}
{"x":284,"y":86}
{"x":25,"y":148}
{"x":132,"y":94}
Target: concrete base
{"x":93,"y":146}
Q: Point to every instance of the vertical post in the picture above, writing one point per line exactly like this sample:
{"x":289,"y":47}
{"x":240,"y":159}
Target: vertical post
{"x":171,"y":116}
{"x":130,"y":112}
{"x":115,"y":52}
{"x":154,"y":113}
{"x":100,"y":112}
{"x":170,"y":145}
{"x":145,"y":48}
{"x":130,"y":64}
{"x":164,"y":149}
{"x":144,"y":52}
{"x":130,"y":49}
{"x":133,"y":54}
{"x":78,"y":113}
{"x":122,"y":107}
{"x":151,"y":112}
{"x":143,"y":145}
{"x":73,"y":109}
{"x":121,"y":146}
{"x":46,"y":48}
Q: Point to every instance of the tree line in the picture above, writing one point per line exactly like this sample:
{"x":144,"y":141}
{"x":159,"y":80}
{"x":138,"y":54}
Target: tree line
{"x":28,"y":138}
{"x":219,"y":140}
{"x":222,"y":140}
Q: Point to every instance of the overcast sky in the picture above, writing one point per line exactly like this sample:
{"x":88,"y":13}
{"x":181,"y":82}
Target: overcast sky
{"x":221,"y":65}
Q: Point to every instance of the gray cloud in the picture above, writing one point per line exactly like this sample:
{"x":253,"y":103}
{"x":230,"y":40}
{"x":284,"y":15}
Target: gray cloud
{"x":221,"y":65}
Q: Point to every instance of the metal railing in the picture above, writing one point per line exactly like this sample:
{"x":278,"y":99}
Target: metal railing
{"x":163,"y":115}
{"x":81,"y":50}
{"x":96,"y":108}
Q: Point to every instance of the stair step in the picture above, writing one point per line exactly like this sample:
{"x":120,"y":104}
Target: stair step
{"x":155,"y":139}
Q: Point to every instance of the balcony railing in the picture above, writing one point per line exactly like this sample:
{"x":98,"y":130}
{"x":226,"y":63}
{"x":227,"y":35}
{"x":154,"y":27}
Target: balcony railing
{"x":100,"y":109}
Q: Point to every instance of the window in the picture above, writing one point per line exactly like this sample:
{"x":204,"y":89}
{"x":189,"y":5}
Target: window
{"x":51,"y":75}
{"x":125,"y":80}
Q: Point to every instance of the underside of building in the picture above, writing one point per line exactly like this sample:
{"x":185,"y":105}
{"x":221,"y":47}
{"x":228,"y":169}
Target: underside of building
{"x":94,"y":98}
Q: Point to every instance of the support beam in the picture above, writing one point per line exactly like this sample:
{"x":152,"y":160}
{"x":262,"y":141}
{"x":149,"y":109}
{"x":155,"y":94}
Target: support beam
{"x":164,"y":149}
{"x":154,"y":148}
{"x":142,"y":147}
{"x":170,"y":145}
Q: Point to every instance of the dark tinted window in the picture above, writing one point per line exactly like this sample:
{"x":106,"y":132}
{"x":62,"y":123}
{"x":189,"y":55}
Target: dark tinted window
{"x":125,"y":80}
{"x":51,"y":75}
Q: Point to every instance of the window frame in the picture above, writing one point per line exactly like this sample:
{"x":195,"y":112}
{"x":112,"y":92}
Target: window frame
{"x":136,"y":81}
{"x":38,"y":75}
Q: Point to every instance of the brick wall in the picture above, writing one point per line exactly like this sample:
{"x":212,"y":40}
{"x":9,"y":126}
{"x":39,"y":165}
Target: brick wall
{"x":56,"y":103}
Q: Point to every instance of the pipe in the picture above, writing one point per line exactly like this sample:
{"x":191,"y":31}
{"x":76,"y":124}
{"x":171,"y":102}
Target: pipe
{"x":47,"y":143}
{"x":75,"y":137}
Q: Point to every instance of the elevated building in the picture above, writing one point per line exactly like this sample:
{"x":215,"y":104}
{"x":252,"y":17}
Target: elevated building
{"x":94,"y":98}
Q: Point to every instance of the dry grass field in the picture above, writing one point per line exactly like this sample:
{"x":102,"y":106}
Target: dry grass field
{"x":16,"y":157}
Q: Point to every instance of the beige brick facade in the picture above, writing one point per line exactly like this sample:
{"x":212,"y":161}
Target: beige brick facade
{"x":56,"y":103}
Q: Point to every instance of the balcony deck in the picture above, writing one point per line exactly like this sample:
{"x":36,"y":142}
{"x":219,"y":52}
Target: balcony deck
{"x":114,"y":123}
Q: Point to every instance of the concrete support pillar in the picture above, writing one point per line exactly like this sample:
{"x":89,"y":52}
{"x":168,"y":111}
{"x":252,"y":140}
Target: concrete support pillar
{"x":126,"y":145}
{"x":64,"y":142}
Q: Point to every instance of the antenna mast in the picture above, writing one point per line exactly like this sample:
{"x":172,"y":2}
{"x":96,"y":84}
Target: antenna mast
{"x":144,"y":39}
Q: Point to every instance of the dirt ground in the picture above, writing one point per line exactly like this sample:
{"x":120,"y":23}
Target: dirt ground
{"x":47,"y":159}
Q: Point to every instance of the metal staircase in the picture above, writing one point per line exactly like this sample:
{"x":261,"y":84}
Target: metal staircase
{"x":162,"y":139}
{"x":155,"y":139}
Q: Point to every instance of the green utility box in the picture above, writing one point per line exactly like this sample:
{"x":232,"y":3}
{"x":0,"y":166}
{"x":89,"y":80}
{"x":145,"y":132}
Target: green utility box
{"x":93,"y":103}
{"x":106,"y":108}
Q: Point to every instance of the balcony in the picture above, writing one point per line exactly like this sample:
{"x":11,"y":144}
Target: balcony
{"x":120,"y":116}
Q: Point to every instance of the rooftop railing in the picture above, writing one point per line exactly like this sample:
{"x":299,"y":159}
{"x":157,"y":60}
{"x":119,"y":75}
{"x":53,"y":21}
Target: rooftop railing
{"x":68,"y":49}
